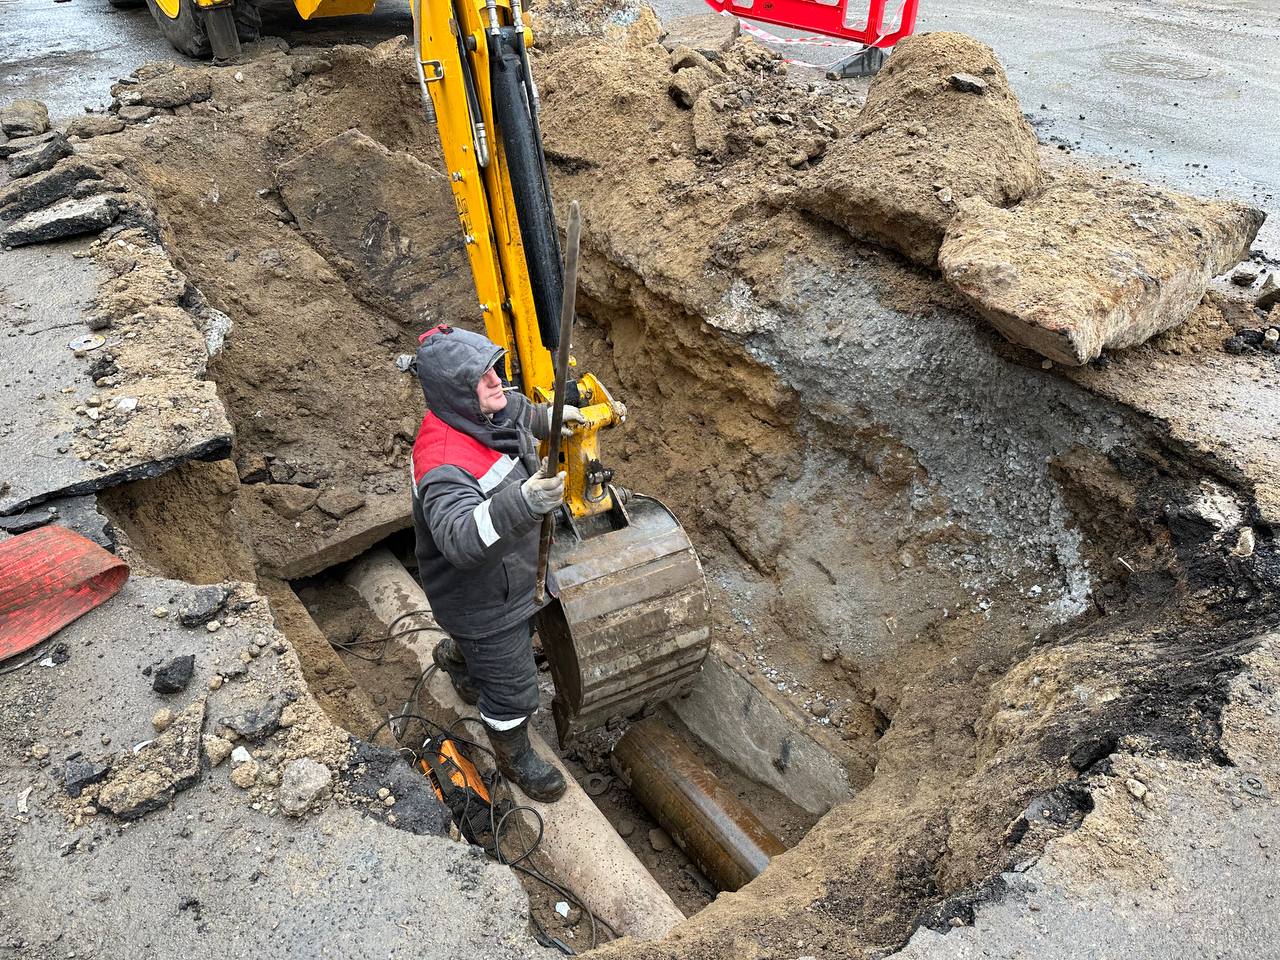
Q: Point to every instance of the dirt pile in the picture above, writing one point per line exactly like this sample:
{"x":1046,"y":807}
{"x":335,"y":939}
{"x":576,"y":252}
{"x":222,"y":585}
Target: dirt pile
{"x":925,"y":140}
{"x":321,"y":433}
{"x":1092,"y":263}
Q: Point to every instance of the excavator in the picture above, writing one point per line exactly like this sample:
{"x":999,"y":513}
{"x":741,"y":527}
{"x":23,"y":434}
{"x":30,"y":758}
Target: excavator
{"x":632,"y":623}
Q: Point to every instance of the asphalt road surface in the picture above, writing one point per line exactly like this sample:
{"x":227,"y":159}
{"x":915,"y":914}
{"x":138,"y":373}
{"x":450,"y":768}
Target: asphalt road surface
{"x":1188,"y":91}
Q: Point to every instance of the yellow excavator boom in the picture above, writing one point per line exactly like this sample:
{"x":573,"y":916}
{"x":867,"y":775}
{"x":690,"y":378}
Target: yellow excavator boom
{"x":456,"y":43}
{"x":632,"y":623}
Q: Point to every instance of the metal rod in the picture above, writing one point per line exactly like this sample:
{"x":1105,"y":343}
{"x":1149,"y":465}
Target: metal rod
{"x":557,"y":400}
{"x":710,"y":824}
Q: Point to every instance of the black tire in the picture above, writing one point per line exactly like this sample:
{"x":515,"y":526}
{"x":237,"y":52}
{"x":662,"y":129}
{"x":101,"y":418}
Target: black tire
{"x":186,"y":32}
{"x":126,"y":4}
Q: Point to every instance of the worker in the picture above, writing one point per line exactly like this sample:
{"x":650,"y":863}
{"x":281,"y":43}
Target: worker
{"x":479,"y":498}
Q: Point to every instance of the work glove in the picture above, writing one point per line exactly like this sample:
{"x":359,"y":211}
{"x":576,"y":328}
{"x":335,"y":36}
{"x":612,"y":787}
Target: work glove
{"x":570,"y":416}
{"x":542,"y":493}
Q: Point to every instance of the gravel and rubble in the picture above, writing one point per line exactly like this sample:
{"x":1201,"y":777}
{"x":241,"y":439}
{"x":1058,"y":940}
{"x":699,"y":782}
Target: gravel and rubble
{"x":105,"y":818}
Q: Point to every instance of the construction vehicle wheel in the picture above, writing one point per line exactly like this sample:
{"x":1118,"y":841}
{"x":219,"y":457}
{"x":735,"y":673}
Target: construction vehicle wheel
{"x":126,"y":4}
{"x":188,"y":33}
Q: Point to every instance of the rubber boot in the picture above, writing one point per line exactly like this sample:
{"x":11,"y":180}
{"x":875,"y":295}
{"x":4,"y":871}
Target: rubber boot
{"x":448,"y":658}
{"x":518,"y":762}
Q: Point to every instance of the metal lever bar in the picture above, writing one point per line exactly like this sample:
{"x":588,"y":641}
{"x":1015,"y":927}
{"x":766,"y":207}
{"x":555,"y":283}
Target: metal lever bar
{"x":557,"y":401}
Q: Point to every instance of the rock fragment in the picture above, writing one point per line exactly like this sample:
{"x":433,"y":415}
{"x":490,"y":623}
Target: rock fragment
{"x":257,"y":724}
{"x":686,"y":84}
{"x":1268,"y":294}
{"x":176,"y":88}
{"x":38,"y":158}
{"x":24,"y":117}
{"x":303,"y":782}
{"x":70,"y":218}
{"x":94,"y":126}
{"x":136,"y":114}
{"x":967,"y":83}
{"x":147,"y":780}
{"x":340,"y":501}
{"x":659,"y":839}
{"x":174,"y":675}
{"x":1246,"y":274}
{"x":202,"y":605}
{"x":162,"y":719}
{"x":79,"y":775}
{"x":287,"y":499}
{"x":1093,"y":262}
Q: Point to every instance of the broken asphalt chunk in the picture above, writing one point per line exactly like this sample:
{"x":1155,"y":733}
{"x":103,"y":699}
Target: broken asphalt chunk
{"x":81,"y":774}
{"x":68,"y":218}
{"x":39,"y":158}
{"x":202,"y":605}
{"x":1092,"y":263}
{"x":24,"y":118}
{"x":94,"y":126}
{"x":261,"y":723}
{"x":42,"y":189}
{"x":967,"y":83}
{"x":147,"y":780}
{"x":173,"y":677}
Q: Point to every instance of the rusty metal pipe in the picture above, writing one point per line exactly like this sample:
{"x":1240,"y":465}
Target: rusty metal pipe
{"x":710,"y":824}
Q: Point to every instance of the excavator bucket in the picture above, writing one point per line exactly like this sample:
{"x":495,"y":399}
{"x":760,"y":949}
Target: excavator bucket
{"x":632,"y":622}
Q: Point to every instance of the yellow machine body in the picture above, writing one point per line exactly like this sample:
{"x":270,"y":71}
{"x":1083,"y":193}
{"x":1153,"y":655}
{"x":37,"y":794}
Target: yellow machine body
{"x":314,"y":9}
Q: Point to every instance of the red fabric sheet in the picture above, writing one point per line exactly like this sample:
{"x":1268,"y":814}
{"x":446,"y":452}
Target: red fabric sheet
{"x":48,"y":578}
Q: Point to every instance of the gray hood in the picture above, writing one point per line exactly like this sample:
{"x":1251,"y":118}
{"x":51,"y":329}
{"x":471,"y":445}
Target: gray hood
{"x":450,"y":364}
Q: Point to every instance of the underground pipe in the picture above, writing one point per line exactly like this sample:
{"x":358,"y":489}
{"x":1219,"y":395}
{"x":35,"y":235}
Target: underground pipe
{"x":581,"y":846}
{"x":710,"y":824}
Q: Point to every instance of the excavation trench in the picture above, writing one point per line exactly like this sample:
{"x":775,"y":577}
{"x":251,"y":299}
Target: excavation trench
{"x":947,"y":585}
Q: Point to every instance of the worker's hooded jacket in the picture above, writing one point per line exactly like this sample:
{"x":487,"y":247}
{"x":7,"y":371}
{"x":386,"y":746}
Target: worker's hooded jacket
{"x":477,"y":539}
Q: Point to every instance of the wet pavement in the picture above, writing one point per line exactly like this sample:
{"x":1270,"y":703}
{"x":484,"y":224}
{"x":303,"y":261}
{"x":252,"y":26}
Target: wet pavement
{"x":1186,"y":91}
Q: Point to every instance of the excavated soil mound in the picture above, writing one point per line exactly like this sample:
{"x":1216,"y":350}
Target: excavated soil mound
{"x":941,"y":123}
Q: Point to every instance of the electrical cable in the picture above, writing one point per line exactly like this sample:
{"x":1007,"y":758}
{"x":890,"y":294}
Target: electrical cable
{"x":496,"y":825}
{"x":347,"y":646}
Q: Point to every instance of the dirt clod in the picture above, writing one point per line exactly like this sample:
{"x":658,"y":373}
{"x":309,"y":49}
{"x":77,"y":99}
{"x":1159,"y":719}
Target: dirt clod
{"x":1092,"y":263}
{"x":880,"y":180}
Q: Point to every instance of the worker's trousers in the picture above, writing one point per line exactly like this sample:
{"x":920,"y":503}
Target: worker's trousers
{"x":502,"y":668}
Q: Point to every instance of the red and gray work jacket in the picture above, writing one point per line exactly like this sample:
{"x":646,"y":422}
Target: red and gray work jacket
{"x":477,"y":539}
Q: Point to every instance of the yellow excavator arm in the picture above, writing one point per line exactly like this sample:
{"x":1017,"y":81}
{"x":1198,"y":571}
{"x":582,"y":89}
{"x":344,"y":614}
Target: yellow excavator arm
{"x":474,"y":70}
{"x":631,"y":624}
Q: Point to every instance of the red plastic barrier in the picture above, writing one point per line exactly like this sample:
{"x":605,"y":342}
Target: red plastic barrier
{"x":828,"y":19}
{"x":48,"y":578}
